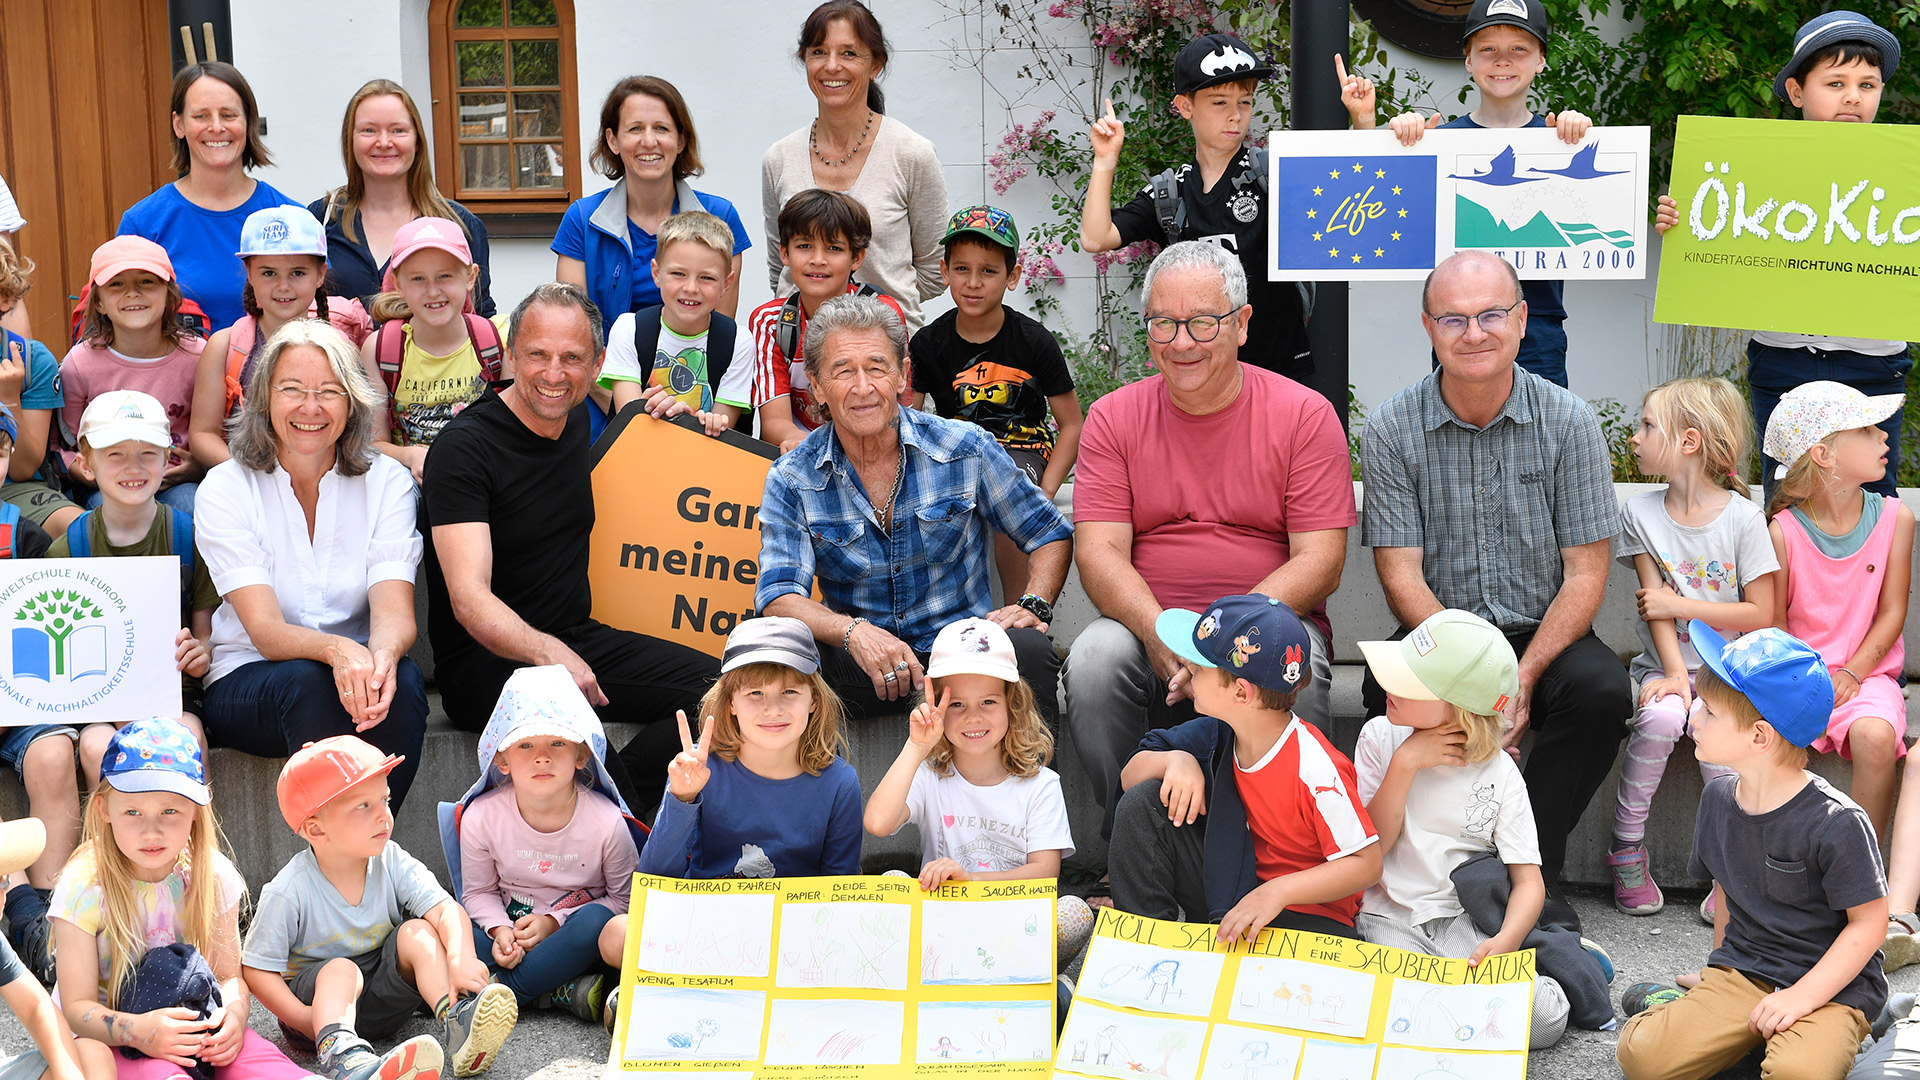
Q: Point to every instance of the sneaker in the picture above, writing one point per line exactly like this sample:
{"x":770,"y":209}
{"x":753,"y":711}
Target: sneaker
{"x":477,"y":1026}
{"x":1606,"y":962}
{"x":584,"y":997}
{"x":1901,"y":947}
{"x":1706,"y":910}
{"x":1642,"y":996}
{"x":611,"y":1010}
{"x":1633,"y":889}
{"x":349,"y":1057}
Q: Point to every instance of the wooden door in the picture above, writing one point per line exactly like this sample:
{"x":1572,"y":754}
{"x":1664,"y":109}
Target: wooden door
{"x":84,"y":133}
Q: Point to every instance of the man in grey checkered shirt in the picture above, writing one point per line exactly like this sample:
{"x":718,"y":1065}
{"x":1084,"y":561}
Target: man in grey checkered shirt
{"x":1489,"y":489}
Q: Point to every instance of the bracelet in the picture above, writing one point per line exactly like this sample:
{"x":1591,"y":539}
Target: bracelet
{"x":1849,"y":671}
{"x":846,"y":639}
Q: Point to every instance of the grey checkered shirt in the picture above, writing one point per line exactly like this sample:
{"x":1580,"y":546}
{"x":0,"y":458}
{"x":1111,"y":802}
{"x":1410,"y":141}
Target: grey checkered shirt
{"x":1491,"y":507}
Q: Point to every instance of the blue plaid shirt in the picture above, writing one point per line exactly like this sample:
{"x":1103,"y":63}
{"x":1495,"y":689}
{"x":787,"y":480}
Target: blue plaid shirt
{"x":958,"y":488}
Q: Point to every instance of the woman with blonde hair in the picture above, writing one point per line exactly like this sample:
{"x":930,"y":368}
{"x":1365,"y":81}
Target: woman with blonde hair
{"x":389,"y":183}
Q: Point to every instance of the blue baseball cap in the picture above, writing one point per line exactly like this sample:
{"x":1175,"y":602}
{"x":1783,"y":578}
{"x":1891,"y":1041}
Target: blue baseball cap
{"x":282,"y":230}
{"x":156,"y":755}
{"x":1253,"y":637}
{"x":1836,"y":26}
{"x":1784,"y":678}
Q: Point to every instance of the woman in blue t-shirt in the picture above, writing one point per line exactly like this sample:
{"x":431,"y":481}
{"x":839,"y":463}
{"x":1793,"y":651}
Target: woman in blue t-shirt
{"x":197,"y":218}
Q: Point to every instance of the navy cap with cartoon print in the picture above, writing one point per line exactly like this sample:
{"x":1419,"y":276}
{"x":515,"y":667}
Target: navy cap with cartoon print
{"x":1252,"y":637}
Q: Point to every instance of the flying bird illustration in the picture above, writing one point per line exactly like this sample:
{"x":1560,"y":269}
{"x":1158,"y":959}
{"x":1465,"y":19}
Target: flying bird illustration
{"x":1499,"y":172}
{"x":1582,"y":167}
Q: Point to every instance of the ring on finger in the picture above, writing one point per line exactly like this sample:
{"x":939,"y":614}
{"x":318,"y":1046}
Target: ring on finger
{"x":889,"y":677}
{"x":901,"y":666}
{"x":348,"y":693}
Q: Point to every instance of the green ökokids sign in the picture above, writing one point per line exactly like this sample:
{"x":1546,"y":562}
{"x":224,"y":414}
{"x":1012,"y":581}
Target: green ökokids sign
{"x":1794,"y":226}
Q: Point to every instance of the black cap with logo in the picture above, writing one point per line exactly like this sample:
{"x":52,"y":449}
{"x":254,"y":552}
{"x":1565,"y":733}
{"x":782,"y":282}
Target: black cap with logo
{"x":1528,"y":15}
{"x":1212,"y":59}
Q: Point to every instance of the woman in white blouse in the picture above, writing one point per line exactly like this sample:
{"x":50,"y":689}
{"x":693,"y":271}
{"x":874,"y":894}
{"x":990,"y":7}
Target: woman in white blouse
{"x":310,"y":537}
{"x":850,"y":147}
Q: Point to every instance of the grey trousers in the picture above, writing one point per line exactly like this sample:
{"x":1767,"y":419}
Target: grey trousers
{"x":1114,"y":697}
{"x":1456,"y":937}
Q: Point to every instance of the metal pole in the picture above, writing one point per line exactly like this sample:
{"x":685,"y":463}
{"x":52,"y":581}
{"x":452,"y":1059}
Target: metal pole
{"x":1320,"y":31}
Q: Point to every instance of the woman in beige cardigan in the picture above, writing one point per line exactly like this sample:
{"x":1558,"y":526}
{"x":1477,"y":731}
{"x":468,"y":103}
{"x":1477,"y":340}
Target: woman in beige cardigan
{"x":851,"y":147}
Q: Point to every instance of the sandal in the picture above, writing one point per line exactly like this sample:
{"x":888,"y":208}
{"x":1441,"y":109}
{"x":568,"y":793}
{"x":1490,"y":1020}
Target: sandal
{"x":1901,"y":947}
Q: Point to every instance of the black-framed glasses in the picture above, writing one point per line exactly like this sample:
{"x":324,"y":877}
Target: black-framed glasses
{"x":1492,"y":320}
{"x":1202,"y":328}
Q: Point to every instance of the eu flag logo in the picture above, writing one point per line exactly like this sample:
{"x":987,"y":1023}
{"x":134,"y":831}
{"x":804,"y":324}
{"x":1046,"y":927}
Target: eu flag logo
{"x":1340,"y":214}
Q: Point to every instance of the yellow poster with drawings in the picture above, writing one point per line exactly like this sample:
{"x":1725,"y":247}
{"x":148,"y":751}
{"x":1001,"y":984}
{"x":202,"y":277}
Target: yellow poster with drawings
{"x":827,"y":978}
{"x":1169,"y":1001}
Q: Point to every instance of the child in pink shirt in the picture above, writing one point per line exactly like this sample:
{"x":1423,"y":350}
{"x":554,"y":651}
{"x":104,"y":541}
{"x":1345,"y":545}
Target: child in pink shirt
{"x":542,"y":850}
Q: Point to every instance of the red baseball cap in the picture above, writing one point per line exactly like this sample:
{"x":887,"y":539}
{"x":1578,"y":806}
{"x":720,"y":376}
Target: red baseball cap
{"x":320,"y":772}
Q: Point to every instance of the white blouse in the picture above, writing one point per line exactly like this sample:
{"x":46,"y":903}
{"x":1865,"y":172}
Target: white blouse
{"x":250,"y":529}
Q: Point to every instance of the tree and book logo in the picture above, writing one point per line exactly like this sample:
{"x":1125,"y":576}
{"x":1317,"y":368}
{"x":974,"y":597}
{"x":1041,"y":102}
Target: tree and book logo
{"x":59,"y":635}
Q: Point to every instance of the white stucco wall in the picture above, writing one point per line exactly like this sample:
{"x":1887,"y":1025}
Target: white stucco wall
{"x":754,"y":92}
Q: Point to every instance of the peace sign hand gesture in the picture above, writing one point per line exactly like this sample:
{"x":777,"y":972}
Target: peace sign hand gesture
{"x":687,"y":773}
{"x":928,"y":722}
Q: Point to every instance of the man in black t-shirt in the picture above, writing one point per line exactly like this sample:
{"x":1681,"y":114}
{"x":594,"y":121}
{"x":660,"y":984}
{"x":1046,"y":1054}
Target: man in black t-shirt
{"x":508,"y":513}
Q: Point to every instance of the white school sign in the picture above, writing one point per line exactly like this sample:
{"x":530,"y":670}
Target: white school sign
{"x":88,"y":640}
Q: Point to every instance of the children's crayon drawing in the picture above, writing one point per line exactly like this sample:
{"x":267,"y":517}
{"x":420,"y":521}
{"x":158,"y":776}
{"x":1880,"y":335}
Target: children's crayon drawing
{"x":1143,"y":977}
{"x":984,"y":1031}
{"x":849,"y":945}
{"x":1340,"y":1061}
{"x":964,"y":944}
{"x":1490,"y":1017}
{"x":832,"y":1031}
{"x":1403,"y":1063}
{"x":1301,"y":995}
{"x":1129,"y":1045}
{"x":671,"y":1023}
{"x":727,"y":934}
{"x":1244,"y":1053}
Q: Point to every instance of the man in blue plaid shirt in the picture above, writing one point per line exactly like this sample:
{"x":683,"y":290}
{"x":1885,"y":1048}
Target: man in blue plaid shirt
{"x":893,"y":511}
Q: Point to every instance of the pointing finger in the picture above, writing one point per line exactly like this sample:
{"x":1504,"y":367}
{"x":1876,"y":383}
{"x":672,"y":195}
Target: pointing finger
{"x":1109,"y":115}
{"x":1340,"y":68}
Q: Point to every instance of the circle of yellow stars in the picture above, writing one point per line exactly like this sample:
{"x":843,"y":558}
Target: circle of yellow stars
{"x":1379,"y":174}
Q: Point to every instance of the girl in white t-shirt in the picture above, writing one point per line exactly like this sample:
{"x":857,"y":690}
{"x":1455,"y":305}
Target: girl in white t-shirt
{"x":1441,"y":790}
{"x":973,"y":776}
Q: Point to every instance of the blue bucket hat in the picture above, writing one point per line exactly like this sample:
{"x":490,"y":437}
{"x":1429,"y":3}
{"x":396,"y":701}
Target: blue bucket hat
{"x":156,"y":755}
{"x":1253,"y":637}
{"x":1836,"y":26}
{"x":1784,"y":678}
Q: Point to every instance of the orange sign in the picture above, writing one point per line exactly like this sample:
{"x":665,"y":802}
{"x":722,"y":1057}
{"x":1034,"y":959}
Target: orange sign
{"x":676,"y":537}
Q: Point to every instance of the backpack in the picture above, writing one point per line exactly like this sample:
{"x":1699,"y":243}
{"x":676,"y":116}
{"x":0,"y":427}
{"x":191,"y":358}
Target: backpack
{"x":9,"y":528}
{"x":390,"y":345}
{"x":343,"y":314}
{"x":80,"y":546}
{"x":720,"y":336}
{"x":786,"y":331}
{"x":191,"y":318}
{"x":1171,"y":210}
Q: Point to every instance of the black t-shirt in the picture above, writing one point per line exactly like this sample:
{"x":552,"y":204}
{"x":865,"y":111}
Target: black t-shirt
{"x":1002,"y":385}
{"x":1277,"y":337}
{"x":535,"y":493}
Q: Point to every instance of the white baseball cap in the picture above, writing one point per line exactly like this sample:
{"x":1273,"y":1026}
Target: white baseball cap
{"x":973,"y":647}
{"x":119,"y":416}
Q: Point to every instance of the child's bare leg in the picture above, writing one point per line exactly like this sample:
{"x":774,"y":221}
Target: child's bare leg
{"x":53,"y":796}
{"x":93,"y":750}
{"x":336,"y":993}
{"x":1903,"y":861}
{"x":96,"y":1058}
{"x":1875,"y":748}
{"x":423,"y":960}
{"x":1012,"y":563}
{"x":613,"y":941}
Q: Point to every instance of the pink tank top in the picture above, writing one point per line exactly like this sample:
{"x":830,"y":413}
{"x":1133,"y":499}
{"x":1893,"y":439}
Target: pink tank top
{"x":1831,"y":602}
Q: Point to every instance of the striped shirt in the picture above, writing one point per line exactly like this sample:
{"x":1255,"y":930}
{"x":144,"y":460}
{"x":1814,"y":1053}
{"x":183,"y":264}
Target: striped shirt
{"x":776,"y":374}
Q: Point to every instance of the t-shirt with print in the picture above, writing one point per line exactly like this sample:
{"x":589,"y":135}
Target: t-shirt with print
{"x":1002,"y":384}
{"x":1304,"y":809}
{"x":680,"y":365}
{"x":1453,"y":813}
{"x":158,"y":541}
{"x":1714,"y":562}
{"x":1234,"y":216}
{"x":509,"y":869}
{"x":1220,"y":491}
{"x":776,"y":374}
{"x":1789,"y":875}
{"x":78,"y":896}
{"x":988,"y":829}
{"x":302,"y":920}
{"x":91,"y":370}
{"x":432,"y":389}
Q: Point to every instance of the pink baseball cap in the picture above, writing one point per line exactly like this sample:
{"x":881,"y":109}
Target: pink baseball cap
{"x":422,"y":233}
{"x":123,"y":253}
{"x":320,"y":772}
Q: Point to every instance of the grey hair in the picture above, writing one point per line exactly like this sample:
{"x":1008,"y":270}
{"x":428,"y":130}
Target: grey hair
{"x":250,"y":436}
{"x":1198,"y":254}
{"x":851,"y":312}
{"x":1471,"y":255}
{"x":560,"y":294}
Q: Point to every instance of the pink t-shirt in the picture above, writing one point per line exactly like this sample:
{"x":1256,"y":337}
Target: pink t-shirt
{"x":508,"y":870}
{"x":1212,"y":498}
{"x":91,"y":370}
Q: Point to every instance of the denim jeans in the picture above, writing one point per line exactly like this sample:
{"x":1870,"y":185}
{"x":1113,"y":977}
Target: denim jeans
{"x":571,"y":952}
{"x":1773,"y":371}
{"x":270,"y":708}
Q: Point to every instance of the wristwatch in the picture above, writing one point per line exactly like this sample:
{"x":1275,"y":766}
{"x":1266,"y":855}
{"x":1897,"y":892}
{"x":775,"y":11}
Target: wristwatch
{"x":1034,"y":603}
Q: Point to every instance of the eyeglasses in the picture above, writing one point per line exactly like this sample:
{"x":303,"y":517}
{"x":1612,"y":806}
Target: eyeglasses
{"x":295,"y":395}
{"x":1203,"y":328}
{"x":1492,"y":320}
